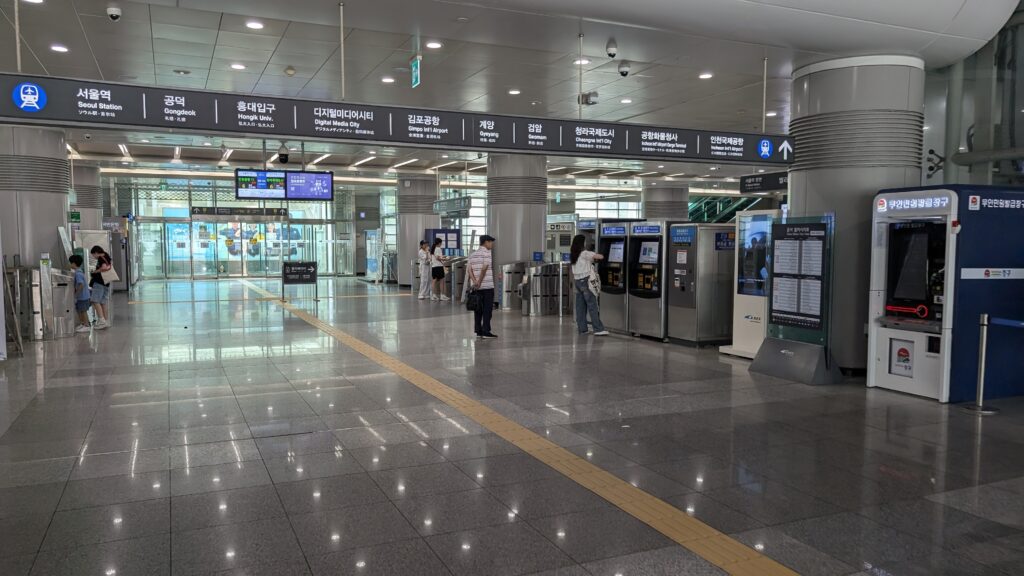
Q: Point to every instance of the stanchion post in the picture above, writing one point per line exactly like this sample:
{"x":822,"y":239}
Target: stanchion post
{"x":979,"y":407}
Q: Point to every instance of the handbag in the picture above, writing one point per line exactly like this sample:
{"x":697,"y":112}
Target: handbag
{"x":473,"y":300}
{"x":594,"y":282}
{"x":110,"y":276}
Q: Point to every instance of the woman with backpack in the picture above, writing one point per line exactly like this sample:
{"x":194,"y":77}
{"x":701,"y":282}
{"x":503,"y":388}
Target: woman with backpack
{"x":586,"y":301}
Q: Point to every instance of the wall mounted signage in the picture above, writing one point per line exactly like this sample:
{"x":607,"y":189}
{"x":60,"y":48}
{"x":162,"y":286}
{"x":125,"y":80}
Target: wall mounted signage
{"x":587,"y":224}
{"x":313,"y":186}
{"x":61,"y":101}
{"x":764,"y":182}
{"x":284,"y":185}
{"x":683,"y":234}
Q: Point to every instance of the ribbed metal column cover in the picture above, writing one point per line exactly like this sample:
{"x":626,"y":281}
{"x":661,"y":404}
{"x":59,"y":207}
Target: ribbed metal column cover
{"x":668,"y":203}
{"x":88,"y":193}
{"x":416,"y":195}
{"x":33,"y":190}
{"x":858,"y":125}
{"x":517,"y":206}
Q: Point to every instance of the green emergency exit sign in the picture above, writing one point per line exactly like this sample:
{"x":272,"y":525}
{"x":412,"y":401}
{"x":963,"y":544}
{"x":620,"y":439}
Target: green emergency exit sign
{"x":74,"y":217}
{"x":415,"y":64}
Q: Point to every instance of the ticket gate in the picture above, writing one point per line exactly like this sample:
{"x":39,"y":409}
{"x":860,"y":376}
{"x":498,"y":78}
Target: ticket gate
{"x":646,"y":273}
{"x":699,"y":299}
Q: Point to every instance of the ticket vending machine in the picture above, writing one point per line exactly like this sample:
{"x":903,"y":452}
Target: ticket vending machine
{"x":646,"y":277}
{"x":612,"y":243}
{"x":699,"y":296}
{"x":941,"y":257}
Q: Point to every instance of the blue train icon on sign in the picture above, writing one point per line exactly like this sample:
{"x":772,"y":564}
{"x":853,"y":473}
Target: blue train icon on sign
{"x":29,"y":97}
{"x":765,"y":149}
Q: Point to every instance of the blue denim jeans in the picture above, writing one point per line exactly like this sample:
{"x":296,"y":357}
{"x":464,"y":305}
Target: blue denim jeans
{"x":586,"y":302}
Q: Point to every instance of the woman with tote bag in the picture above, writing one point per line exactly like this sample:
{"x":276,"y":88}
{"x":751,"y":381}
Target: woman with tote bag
{"x":99,"y":283}
{"x":586,"y":299}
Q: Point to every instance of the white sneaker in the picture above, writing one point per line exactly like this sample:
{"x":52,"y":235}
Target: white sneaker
{"x":83,"y":329}
{"x":423,"y":298}
{"x":101,"y":325}
{"x":445,"y":299}
{"x":601,"y":333}
{"x":434,"y":298}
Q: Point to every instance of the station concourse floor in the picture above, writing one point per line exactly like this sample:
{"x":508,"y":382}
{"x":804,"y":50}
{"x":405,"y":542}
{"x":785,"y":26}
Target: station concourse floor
{"x":213,"y":431}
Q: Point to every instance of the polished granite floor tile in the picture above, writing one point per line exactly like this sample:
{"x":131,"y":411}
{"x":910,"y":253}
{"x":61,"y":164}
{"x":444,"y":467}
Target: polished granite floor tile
{"x":506,"y":469}
{"x":17,"y":565}
{"x":115,"y":490}
{"x":306,"y":466}
{"x":541,"y":498}
{"x":507,"y":550}
{"x":472,"y":447}
{"x":423,"y":480}
{"x":857,"y":541}
{"x":209,"y":509}
{"x":714,"y":513}
{"x":86,"y":526}
{"x":670,"y":561}
{"x":198,"y":479}
{"x":408,"y":558}
{"x":28,"y":473}
{"x":620,"y":534}
{"x":322,"y":494}
{"x":233,"y":547}
{"x":34,"y":500}
{"x":149,"y":555}
{"x":20,"y":535}
{"x":771,"y":502}
{"x":399,"y":433}
{"x":792,"y":553}
{"x":397,"y":456}
{"x":353,"y":527}
{"x":441,"y":513}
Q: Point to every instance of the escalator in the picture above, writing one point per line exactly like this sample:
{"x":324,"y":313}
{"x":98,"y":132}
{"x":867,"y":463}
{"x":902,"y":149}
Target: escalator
{"x":720,"y":209}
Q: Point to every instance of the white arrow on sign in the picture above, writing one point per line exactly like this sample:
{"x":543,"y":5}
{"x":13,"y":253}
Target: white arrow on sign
{"x":786,"y":149}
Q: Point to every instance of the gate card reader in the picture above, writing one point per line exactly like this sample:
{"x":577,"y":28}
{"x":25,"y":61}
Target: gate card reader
{"x":941,"y":257}
{"x":700,"y":262}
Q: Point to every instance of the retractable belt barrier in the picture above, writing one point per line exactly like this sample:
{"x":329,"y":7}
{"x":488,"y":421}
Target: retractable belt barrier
{"x":984,"y":322}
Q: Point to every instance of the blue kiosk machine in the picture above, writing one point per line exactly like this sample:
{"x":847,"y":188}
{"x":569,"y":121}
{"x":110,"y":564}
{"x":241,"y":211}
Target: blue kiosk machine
{"x":941,"y":257}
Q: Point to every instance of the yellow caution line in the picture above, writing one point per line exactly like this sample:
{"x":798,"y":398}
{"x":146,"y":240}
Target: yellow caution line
{"x":267,"y":299}
{"x":694,"y":535}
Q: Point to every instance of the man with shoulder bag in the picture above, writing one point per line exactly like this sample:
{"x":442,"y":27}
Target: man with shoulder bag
{"x":480,"y":298}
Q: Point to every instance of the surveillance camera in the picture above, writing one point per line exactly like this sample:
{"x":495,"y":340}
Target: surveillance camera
{"x":88,"y":136}
{"x":282,"y":154}
{"x":624,"y":69}
{"x":612,"y":48}
{"x":114,"y":13}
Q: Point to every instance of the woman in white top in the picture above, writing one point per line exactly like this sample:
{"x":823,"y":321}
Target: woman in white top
{"x":586,"y":301}
{"x":437,"y":269}
{"x":423,"y":259}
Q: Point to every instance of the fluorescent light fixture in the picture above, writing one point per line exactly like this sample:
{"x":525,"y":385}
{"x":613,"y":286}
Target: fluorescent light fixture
{"x":319,"y":159}
{"x":556,"y":169}
{"x":626,"y":101}
{"x":59,"y":48}
{"x":33,"y":1}
{"x":404,"y":162}
{"x":771,"y":114}
{"x":372,"y":152}
{"x":238,"y":66}
{"x":582,"y":171}
{"x":647,"y":173}
{"x":661,"y":165}
{"x":207,"y":143}
{"x":760,"y":170}
{"x":434,"y":45}
{"x":272,"y":158}
{"x":177,"y":155}
{"x":706,"y":76}
{"x":514,"y":91}
{"x":124,"y":150}
{"x":679,"y":174}
{"x":476,"y":167}
{"x":714,"y":168}
{"x":228,"y":153}
{"x":445,"y":164}
{"x":581,"y":62}
{"x":388,"y":80}
{"x":144,"y":141}
{"x":254,"y":25}
{"x":614,"y":173}
{"x":361,"y":162}
{"x":444,"y":155}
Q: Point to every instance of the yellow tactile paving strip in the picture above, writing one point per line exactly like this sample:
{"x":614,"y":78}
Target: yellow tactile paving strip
{"x":694,"y":535}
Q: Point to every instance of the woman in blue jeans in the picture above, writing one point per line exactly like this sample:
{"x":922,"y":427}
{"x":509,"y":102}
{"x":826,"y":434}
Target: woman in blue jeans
{"x":586,"y":301}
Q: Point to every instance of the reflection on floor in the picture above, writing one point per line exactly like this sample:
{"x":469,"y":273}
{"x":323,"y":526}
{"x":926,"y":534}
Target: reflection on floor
{"x":210,"y":431}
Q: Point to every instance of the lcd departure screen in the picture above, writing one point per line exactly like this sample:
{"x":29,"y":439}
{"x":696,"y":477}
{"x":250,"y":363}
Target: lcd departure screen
{"x":649,"y":253}
{"x":615,"y":252}
{"x":314,"y":186}
{"x":259,"y":185}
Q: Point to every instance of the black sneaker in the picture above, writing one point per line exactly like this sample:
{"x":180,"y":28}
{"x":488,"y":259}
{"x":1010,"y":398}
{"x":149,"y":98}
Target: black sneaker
{"x":488,"y":336}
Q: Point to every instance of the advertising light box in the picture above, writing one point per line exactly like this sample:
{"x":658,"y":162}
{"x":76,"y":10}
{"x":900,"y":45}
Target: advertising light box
{"x":311,"y":186}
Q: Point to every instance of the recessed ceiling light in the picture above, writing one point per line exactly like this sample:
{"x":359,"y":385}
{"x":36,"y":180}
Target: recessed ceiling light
{"x":444,"y":155}
{"x":706,"y":76}
{"x":714,"y":167}
{"x":661,"y":165}
{"x":182,"y":72}
{"x":626,"y":101}
{"x":372,"y":152}
{"x":237,"y":66}
{"x":33,"y":1}
{"x":254,"y":25}
{"x":514,"y":92}
{"x":771,"y":114}
{"x":534,"y":102}
{"x":434,"y":45}
{"x":581,"y":62}
{"x":59,"y":48}
{"x":207,"y":143}
{"x":144,"y":141}
{"x":388,"y":80}
{"x":462,"y":19}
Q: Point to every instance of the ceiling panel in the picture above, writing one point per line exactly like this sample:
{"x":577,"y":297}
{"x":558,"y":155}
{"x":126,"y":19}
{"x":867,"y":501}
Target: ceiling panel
{"x":185,"y":17}
{"x":259,"y":42}
{"x":306,"y":46}
{"x":182,"y":48}
{"x":191,"y":34}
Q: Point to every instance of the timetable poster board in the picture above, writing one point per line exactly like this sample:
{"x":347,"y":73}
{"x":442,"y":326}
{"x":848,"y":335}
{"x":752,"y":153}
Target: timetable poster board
{"x":798,"y":281}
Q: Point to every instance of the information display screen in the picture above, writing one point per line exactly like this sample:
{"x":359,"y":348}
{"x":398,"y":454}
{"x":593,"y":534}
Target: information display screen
{"x":798,"y":275}
{"x":649,"y":253}
{"x":615,"y":253}
{"x":312,"y":186}
{"x":260,"y":185}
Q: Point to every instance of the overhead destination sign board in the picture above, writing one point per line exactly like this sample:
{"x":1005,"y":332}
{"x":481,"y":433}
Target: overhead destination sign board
{"x":59,"y":101}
